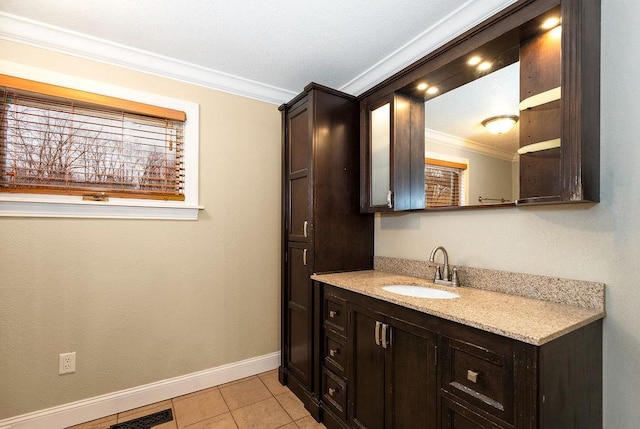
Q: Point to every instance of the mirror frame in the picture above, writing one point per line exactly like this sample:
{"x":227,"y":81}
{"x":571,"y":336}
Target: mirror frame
{"x":580,"y":77}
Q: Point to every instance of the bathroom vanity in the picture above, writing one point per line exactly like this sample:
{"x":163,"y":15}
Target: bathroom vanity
{"x":359,"y":356}
{"x":483,"y":360}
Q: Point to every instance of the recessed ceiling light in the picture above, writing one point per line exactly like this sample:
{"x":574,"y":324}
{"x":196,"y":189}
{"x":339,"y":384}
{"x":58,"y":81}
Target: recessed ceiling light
{"x":550,"y":23}
{"x":474,"y":61}
{"x":484,"y":66}
{"x":432,"y":90}
{"x":422,"y":86}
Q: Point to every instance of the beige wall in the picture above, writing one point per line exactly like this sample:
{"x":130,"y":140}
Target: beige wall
{"x":142,"y":301}
{"x":598,"y":242}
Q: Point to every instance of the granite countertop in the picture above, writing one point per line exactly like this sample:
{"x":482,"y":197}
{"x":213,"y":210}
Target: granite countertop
{"x":532,"y":321}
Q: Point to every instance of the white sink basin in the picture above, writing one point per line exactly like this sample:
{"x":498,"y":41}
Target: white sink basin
{"x":420,"y":291}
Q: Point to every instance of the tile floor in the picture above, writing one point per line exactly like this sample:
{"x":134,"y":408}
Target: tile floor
{"x":257,"y":402}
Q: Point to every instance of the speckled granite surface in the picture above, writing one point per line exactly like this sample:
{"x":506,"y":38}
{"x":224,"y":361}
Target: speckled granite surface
{"x":570,"y":292}
{"x":533,"y":321}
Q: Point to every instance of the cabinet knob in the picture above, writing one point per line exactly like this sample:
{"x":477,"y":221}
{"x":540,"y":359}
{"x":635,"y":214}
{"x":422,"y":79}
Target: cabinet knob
{"x":472,"y":376}
{"x":332,"y":391}
{"x":333,"y":352}
{"x":333,"y":314}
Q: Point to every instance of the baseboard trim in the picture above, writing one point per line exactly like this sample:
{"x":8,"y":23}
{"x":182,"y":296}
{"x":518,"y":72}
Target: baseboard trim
{"x":93,"y":408}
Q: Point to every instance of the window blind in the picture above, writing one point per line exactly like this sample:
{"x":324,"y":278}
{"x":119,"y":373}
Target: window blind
{"x":443,"y":183}
{"x":55,"y":145}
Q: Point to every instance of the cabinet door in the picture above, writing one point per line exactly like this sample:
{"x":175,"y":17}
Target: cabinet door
{"x":393,"y":384}
{"x":411,"y":377}
{"x":299,"y":315}
{"x":298,"y":153}
{"x":366,"y":392}
{"x":392,"y":154}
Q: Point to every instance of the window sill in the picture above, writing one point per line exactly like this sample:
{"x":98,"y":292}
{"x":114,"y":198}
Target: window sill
{"x":115,"y":208}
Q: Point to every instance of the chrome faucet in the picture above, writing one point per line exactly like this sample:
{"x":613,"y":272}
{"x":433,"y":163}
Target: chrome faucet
{"x":444,"y":278}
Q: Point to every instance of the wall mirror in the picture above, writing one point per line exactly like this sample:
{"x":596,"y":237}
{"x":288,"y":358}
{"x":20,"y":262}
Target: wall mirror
{"x":533,"y":71}
{"x":480,"y":109}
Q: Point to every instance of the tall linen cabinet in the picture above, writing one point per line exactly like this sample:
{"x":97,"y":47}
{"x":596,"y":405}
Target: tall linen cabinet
{"x":322,"y":229}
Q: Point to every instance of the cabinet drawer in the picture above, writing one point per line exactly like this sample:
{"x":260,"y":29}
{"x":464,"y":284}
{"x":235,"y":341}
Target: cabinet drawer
{"x":480,"y":377}
{"x":457,"y":416}
{"x":335,"y":354}
{"x":335,"y":313}
{"x":334,"y":393}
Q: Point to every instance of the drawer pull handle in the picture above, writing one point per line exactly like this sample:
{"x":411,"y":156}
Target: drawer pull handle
{"x":472,"y":376}
{"x":377,"y":332}
{"x":333,"y":314}
{"x":333,"y":352}
{"x":304,"y":228}
{"x":332,"y":391}
{"x":304,"y":257}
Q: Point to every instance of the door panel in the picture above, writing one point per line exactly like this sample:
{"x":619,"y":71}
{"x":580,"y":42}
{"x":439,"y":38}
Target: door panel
{"x":367,"y":384}
{"x":299,"y":315}
{"x":299,"y":139}
{"x":298,"y":206}
{"x":411,"y":380}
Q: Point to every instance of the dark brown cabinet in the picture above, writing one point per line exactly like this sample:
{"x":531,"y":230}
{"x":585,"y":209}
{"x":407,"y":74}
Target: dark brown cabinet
{"x":558,"y":149}
{"x":392,"y":154}
{"x":404,"y":368}
{"x":323,"y":229}
{"x":393,"y":372}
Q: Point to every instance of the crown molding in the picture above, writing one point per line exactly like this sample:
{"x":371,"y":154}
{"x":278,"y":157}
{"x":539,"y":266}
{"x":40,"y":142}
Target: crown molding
{"x":465,"y":17}
{"x":470,"y":145}
{"x":26,"y":31}
{"x":18,"y":29}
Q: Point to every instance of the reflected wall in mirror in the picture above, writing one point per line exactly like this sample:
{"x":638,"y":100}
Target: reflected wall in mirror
{"x":454,"y":133}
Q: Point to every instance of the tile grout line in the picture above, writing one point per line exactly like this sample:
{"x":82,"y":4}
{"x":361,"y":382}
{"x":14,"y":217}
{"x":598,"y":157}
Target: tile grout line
{"x":228,"y":407}
{"x":278,"y":402}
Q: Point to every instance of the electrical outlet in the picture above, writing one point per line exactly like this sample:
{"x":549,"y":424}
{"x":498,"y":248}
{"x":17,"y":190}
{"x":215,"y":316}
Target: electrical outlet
{"x":67,"y":363}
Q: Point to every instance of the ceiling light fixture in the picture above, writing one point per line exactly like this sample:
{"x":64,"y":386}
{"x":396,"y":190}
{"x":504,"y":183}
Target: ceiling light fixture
{"x":422,"y":86}
{"x":432,"y":90}
{"x":484,"y":66}
{"x":550,"y":23}
{"x":500,"y":124}
{"x":474,"y":61}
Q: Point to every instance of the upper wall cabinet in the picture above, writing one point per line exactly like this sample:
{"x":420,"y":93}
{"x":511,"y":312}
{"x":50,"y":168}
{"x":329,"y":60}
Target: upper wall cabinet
{"x":392,"y":156}
{"x":511,"y":115}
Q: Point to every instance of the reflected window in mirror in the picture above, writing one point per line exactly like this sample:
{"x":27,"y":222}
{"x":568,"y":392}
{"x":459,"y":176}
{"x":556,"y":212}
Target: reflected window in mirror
{"x":445,"y":182}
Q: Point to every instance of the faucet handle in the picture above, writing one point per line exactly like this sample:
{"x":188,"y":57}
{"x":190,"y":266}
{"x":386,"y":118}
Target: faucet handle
{"x":454,"y":277}
{"x":438,"y":274}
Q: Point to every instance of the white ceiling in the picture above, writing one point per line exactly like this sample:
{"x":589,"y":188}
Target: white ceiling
{"x":267,"y":50}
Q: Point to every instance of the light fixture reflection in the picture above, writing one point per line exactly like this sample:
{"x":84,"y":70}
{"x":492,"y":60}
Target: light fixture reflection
{"x":500,"y":124}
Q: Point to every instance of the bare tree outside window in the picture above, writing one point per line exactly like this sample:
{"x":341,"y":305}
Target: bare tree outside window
{"x":55,"y":146}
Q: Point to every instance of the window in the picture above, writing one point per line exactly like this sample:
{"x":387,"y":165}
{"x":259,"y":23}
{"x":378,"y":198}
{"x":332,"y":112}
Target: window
{"x":63,"y":145}
{"x":444,"y":183}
